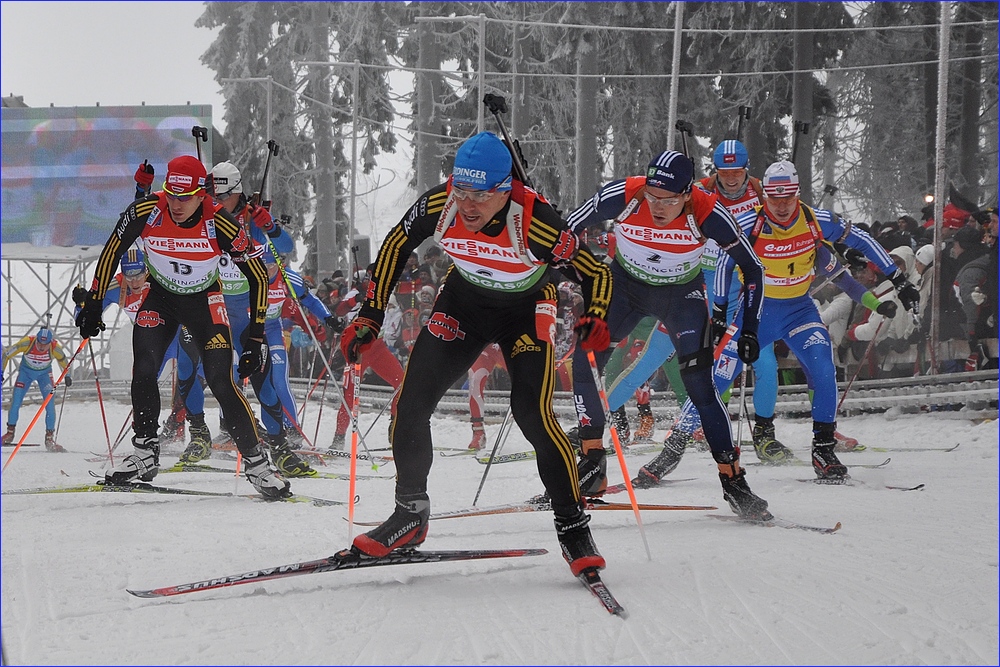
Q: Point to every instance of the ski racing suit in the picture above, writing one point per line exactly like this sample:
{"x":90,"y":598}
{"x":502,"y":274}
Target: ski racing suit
{"x":658,"y":272}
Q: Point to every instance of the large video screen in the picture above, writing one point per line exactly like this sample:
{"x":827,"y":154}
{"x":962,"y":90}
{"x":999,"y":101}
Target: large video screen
{"x":68,"y":171}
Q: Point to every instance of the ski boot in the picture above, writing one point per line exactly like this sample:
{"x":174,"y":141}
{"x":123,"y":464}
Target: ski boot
{"x":646,"y":423}
{"x":478,"y":434}
{"x":620,"y":421}
{"x":826,"y":465}
{"x":735,"y":490}
{"x":337,"y":445}
{"x":592,"y":469}
{"x":8,"y":437}
{"x":50,"y":442}
{"x":173,"y":427}
{"x":847,"y":444}
{"x":142,"y":464}
{"x":699,"y":440}
{"x":665,"y":462}
{"x":200,"y":447}
{"x":769,"y":450}
{"x":224,"y":441}
{"x":576,"y":542}
{"x":405,"y":527}
{"x":264,"y":478}
{"x":285,"y":460}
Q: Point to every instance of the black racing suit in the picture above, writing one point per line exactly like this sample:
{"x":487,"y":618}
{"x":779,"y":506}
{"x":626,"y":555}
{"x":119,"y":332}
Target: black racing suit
{"x":466,"y":318}
{"x":163,"y":311}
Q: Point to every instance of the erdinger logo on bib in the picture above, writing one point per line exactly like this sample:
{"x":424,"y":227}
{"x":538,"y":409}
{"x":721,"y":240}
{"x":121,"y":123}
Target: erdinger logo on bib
{"x":445,"y":327}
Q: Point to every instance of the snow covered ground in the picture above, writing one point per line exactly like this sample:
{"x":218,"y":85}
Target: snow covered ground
{"x":911,"y":578}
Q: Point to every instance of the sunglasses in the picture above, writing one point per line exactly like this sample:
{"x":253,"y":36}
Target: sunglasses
{"x":664,"y":201}
{"x":478,"y":196}
{"x":181,"y":197}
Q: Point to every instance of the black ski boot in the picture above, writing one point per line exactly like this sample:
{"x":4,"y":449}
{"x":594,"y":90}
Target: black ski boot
{"x":576,"y":542}
{"x":620,"y":421}
{"x":405,"y":527}
{"x":665,"y":462}
{"x":826,"y":465}
{"x":769,"y":451}
{"x":735,"y":490}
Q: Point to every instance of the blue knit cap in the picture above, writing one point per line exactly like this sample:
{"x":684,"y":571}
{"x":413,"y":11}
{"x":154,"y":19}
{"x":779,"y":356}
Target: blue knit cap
{"x":44,"y":336}
{"x":482,"y":163}
{"x":671,"y":171}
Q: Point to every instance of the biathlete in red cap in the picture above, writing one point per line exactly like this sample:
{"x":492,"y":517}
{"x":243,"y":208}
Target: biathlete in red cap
{"x":185,"y":234}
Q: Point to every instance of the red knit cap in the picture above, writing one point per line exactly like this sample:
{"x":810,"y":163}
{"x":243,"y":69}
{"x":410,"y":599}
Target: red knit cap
{"x":185,"y":176}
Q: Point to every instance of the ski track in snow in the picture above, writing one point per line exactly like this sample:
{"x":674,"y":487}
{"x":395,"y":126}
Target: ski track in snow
{"x":911,"y":578}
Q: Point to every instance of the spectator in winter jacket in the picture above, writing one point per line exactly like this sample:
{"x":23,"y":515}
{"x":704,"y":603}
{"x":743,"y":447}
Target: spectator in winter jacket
{"x":976,"y":290}
{"x":891,"y":335}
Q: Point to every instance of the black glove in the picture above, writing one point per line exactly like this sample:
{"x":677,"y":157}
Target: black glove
{"x":335,"y":323}
{"x":91,"y":311}
{"x":747,"y":347}
{"x":68,"y":380}
{"x":253,"y":359}
{"x":887,"y":309}
{"x":592,"y":471}
{"x":719,"y":325}
{"x":908,"y":294}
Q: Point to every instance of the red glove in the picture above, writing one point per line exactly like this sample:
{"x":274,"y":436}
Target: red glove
{"x":143,"y":179}
{"x":262,"y":218}
{"x":358,"y":337}
{"x":592,"y":333}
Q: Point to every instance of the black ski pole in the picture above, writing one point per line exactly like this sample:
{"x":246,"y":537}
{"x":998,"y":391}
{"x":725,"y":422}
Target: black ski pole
{"x":498,"y":105}
{"x":200,"y":134}
{"x":799,"y":129}
{"x":272,"y":150}
{"x":686,"y":129}
{"x":744,"y":112}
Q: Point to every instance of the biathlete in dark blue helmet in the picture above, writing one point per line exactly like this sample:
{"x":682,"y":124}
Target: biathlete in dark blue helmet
{"x":661,"y":226}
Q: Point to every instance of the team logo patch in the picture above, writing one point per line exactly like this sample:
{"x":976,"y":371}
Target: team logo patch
{"x":149,"y":319}
{"x":524,"y":344}
{"x":241,"y":241}
{"x":445,"y":327}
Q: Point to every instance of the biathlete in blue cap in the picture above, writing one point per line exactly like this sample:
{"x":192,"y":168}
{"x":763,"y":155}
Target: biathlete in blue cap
{"x":502,"y":237}
{"x":36,"y":367}
{"x":661,"y":226}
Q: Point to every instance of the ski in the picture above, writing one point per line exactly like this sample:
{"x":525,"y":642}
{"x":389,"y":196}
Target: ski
{"x":802,"y":463}
{"x":775,"y":521}
{"x":457,"y":452}
{"x":850,"y":481}
{"x":135,"y":487}
{"x":545,"y":506}
{"x":914,"y":449}
{"x":342,"y":560}
{"x":592,"y":580}
{"x":508,"y":458}
{"x":145,"y":487}
{"x":338,"y":454}
{"x":621,"y":488}
{"x":200,"y":467}
{"x":27,"y":444}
